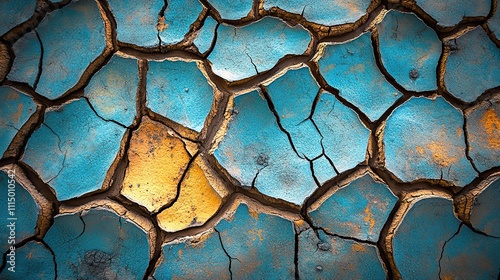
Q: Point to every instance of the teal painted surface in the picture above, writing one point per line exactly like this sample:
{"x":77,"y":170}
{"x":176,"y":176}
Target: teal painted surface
{"x":33,"y":261}
{"x":15,"y":110}
{"x":72,"y":38}
{"x":180,"y":92}
{"x":345,"y":138}
{"x":202,"y":260}
{"x":351,"y":68}
{"x":14,"y":12}
{"x":112,"y":91}
{"x":206,"y":36}
{"x":136,"y":21}
{"x":494,"y":24}
{"x":410,"y":51}
{"x":255,"y":144}
{"x":27,"y":51}
{"x":423,"y":138}
{"x":232,"y":9}
{"x":323,"y":169}
{"x":484,"y":214}
{"x":73,"y":141}
{"x":323,"y":12}
{"x":483,"y":133}
{"x":451,"y":12}
{"x":293,"y":95}
{"x":414,"y":258}
{"x":470,"y":255}
{"x":242,"y":51}
{"x":25,"y":214}
{"x":357,"y":210}
{"x":475,"y":56}
{"x":260,"y":245}
{"x":179,"y":15}
{"x":98,"y":245}
{"x":327,"y":257}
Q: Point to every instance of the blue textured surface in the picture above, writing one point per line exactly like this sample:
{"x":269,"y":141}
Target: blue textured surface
{"x":326,"y":257}
{"x":112,"y":91}
{"x":232,"y":9}
{"x":25,"y":212}
{"x":25,"y":67}
{"x":98,"y":245}
{"x":204,"y":259}
{"x":137,"y":25}
{"x":483,"y":131}
{"x":72,"y":38}
{"x":451,"y":12}
{"x":323,"y":11}
{"x":323,"y":169}
{"x":242,"y":51}
{"x":470,"y":255}
{"x":293,"y":95}
{"x":351,"y":68}
{"x":475,"y":56}
{"x":206,"y":36}
{"x":180,"y":92}
{"x":357,"y":210}
{"x":494,"y":24}
{"x":260,"y":245}
{"x":179,"y":15}
{"x":414,"y":258}
{"x":14,"y":12}
{"x":484,"y":214}
{"x":73,"y":141}
{"x":15,"y":109}
{"x":33,"y":261}
{"x":410,"y":51}
{"x":424,"y":138}
{"x":255,"y":144}
{"x":345,"y":138}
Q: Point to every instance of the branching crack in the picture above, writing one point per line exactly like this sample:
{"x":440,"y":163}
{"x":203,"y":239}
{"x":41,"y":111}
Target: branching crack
{"x":277,"y":117}
{"x":225,"y":252}
{"x":40,"y":63}
{"x":444,"y":245}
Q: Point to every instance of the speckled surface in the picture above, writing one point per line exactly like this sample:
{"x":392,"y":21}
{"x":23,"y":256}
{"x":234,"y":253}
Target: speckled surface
{"x":270,"y":139}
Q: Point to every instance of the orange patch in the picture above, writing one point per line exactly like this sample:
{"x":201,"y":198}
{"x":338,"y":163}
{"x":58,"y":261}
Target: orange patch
{"x":491,"y":124}
{"x":368,"y":218}
{"x":358,"y":247}
{"x":197,"y":203}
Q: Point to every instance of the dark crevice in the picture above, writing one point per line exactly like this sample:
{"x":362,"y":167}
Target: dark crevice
{"x":225,"y":252}
{"x":53,"y":256}
{"x":270,"y":104}
{"x":179,"y":184}
{"x":467,"y":146}
{"x":40,"y":62}
{"x":254,"y":66}
{"x":385,"y":254}
{"x":296,"y":254}
{"x":99,"y":116}
{"x":161,"y":17}
{"x":335,"y":92}
{"x":444,"y":246}
{"x":214,"y":41}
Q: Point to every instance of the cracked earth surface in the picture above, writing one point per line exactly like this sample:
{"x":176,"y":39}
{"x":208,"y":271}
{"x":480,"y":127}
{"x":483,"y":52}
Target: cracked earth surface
{"x":265,"y":139}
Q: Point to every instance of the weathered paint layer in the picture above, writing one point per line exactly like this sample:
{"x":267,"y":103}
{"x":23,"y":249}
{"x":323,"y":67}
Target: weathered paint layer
{"x":357,"y":210}
{"x":73,"y":141}
{"x":410,"y":51}
{"x":351,"y":68}
{"x":424,"y":139}
{"x":98,"y":244}
{"x":242,"y":52}
{"x":157,"y":160}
